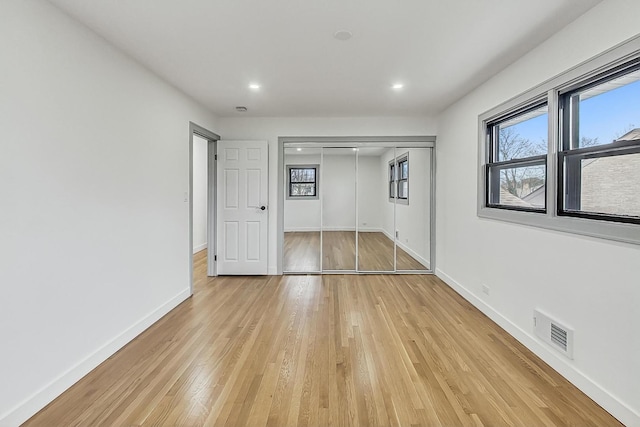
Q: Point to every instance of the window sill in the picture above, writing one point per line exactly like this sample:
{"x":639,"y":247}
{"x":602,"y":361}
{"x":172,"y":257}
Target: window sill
{"x":616,"y":231}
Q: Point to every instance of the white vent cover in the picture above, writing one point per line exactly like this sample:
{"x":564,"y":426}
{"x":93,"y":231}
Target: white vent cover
{"x":553,"y":333}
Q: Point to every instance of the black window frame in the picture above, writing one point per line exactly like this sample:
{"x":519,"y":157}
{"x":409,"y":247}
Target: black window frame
{"x":395,"y":179}
{"x":315,"y":182}
{"x":492,"y":162}
{"x":570,"y":154}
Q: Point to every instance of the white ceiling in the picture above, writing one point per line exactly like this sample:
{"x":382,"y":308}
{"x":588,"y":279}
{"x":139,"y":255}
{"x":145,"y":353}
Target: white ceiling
{"x":213,"y":49}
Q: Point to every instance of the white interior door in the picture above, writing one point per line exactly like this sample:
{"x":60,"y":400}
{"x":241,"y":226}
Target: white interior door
{"x":242,"y":207}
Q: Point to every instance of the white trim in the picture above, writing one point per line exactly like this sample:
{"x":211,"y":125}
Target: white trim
{"x":413,"y":254}
{"x":199,"y":248}
{"x":612,"y":404}
{"x":301,"y":229}
{"x":41,"y":398}
{"x":304,"y":229}
{"x":408,"y":250}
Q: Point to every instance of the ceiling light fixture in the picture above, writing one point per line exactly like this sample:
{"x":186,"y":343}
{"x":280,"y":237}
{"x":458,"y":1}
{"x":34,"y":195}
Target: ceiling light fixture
{"x":254,"y":86}
{"x":397,"y":86}
{"x":342,"y":35}
{"x":299,"y":149}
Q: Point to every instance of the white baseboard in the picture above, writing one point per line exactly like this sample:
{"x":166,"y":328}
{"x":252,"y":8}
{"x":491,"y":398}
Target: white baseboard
{"x":414,"y":255}
{"x":199,"y":248}
{"x":305,"y":229}
{"x":408,"y":250}
{"x":609,"y":402}
{"x":30,"y":406}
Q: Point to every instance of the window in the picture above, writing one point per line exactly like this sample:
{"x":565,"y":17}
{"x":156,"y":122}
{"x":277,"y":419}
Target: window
{"x":517,"y":159}
{"x":399,"y":179}
{"x":302,"y":182}
{"x":566,"y":154}
{"x":599,"y":159}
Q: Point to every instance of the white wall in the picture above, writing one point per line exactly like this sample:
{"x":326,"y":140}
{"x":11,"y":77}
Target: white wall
{"x":94,"y":164}
{"x":339,"y":192}
{"x":301,"y":215}
{"x":200,"y":190}
{"x":590,"y":284}
{"x":370,"y":203}
{"x":271,"y":128}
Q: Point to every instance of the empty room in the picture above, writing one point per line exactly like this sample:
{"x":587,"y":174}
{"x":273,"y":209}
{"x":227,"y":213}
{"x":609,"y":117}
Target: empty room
{"x":335,"y":213}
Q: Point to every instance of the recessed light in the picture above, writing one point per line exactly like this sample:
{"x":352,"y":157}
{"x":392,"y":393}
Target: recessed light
{"x":299,"y":149}
{"x":342,"y":35}
{"x":254,"y":86}
{"x":397,"y":86}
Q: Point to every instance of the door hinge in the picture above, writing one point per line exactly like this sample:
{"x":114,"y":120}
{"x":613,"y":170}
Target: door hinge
{"x":216,"y":157}
{"x":215,"y":257}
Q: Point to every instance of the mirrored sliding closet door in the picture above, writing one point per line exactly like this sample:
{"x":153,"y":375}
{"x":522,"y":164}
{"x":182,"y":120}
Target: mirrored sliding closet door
{"x":361,"y":208}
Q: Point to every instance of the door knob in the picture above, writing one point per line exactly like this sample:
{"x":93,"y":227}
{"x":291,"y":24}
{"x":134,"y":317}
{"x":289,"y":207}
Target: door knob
{"x":263,"y":208}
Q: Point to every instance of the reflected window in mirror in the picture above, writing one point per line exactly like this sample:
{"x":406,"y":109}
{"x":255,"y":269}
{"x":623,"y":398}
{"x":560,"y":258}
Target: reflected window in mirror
{"x":302,"y":182}
{"x":399,"y":179}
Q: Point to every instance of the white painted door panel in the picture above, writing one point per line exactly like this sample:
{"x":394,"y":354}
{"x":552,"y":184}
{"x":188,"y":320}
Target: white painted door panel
{"x":242,"y":207}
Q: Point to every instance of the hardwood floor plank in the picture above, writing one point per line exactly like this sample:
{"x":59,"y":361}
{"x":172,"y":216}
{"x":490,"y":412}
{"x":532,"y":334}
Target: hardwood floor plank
{"x":322,"y":351}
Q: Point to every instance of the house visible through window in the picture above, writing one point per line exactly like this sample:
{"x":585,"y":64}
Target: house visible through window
{"x":600,"y":148}
{"x":399,"y":179}
{"x":302,"y":181}
{"x":517,"y":159}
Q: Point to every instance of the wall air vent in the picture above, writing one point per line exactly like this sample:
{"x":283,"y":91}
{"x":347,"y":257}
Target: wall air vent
{"x":554,"y":333}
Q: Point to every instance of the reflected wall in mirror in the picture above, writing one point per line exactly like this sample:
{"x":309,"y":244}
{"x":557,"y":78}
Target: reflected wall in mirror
{"x":409,"y":172}
{"x":375,"y":241}
{"x":302,"y":209}
{"x":338,"y":209}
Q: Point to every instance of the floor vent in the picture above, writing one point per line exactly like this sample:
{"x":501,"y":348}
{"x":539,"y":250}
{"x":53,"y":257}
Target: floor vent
{"x":553,"y":333}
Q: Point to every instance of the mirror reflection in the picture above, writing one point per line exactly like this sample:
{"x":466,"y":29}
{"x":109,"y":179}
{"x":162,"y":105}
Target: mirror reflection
{"x":410,"y":184}
{"x":339,"y":209}
{"x":362,"y":209}
{"x":375,"y":212}
{"x":302,"y":209}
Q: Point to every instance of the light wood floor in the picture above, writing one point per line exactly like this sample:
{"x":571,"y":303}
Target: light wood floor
{"x":375,"y":252}
{"x":344,"y":350}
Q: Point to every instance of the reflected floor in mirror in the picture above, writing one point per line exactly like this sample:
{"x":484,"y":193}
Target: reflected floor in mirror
{"x":375,"y":252}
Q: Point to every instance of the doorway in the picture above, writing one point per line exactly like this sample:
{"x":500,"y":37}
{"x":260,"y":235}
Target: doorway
{"x":357,"y":205}
{"x":202,"y":196}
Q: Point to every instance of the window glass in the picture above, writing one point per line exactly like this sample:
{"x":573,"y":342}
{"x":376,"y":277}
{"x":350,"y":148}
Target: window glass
{"x":609,"y":111}
{"x":520,"y":186}
{"x":303,"y":182}
{"x":610,"y":185}
{"x":600,"y":164}
{"x":523,"y":136}
{"x":517,"y":148}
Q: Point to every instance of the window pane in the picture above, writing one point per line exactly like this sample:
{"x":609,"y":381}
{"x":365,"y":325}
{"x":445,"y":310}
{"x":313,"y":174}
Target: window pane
{"x":609,"y":112}
{"x":610,"y":185}
{"x":303,"y":189}
{"x":404,"y":170}
{"x":392,"y":188}
{"x":403,"y":189}
{"x":392,"y":173}
{"x":523,"y":136}
{"x":518,"y":186}
{"x":303,"y":175}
